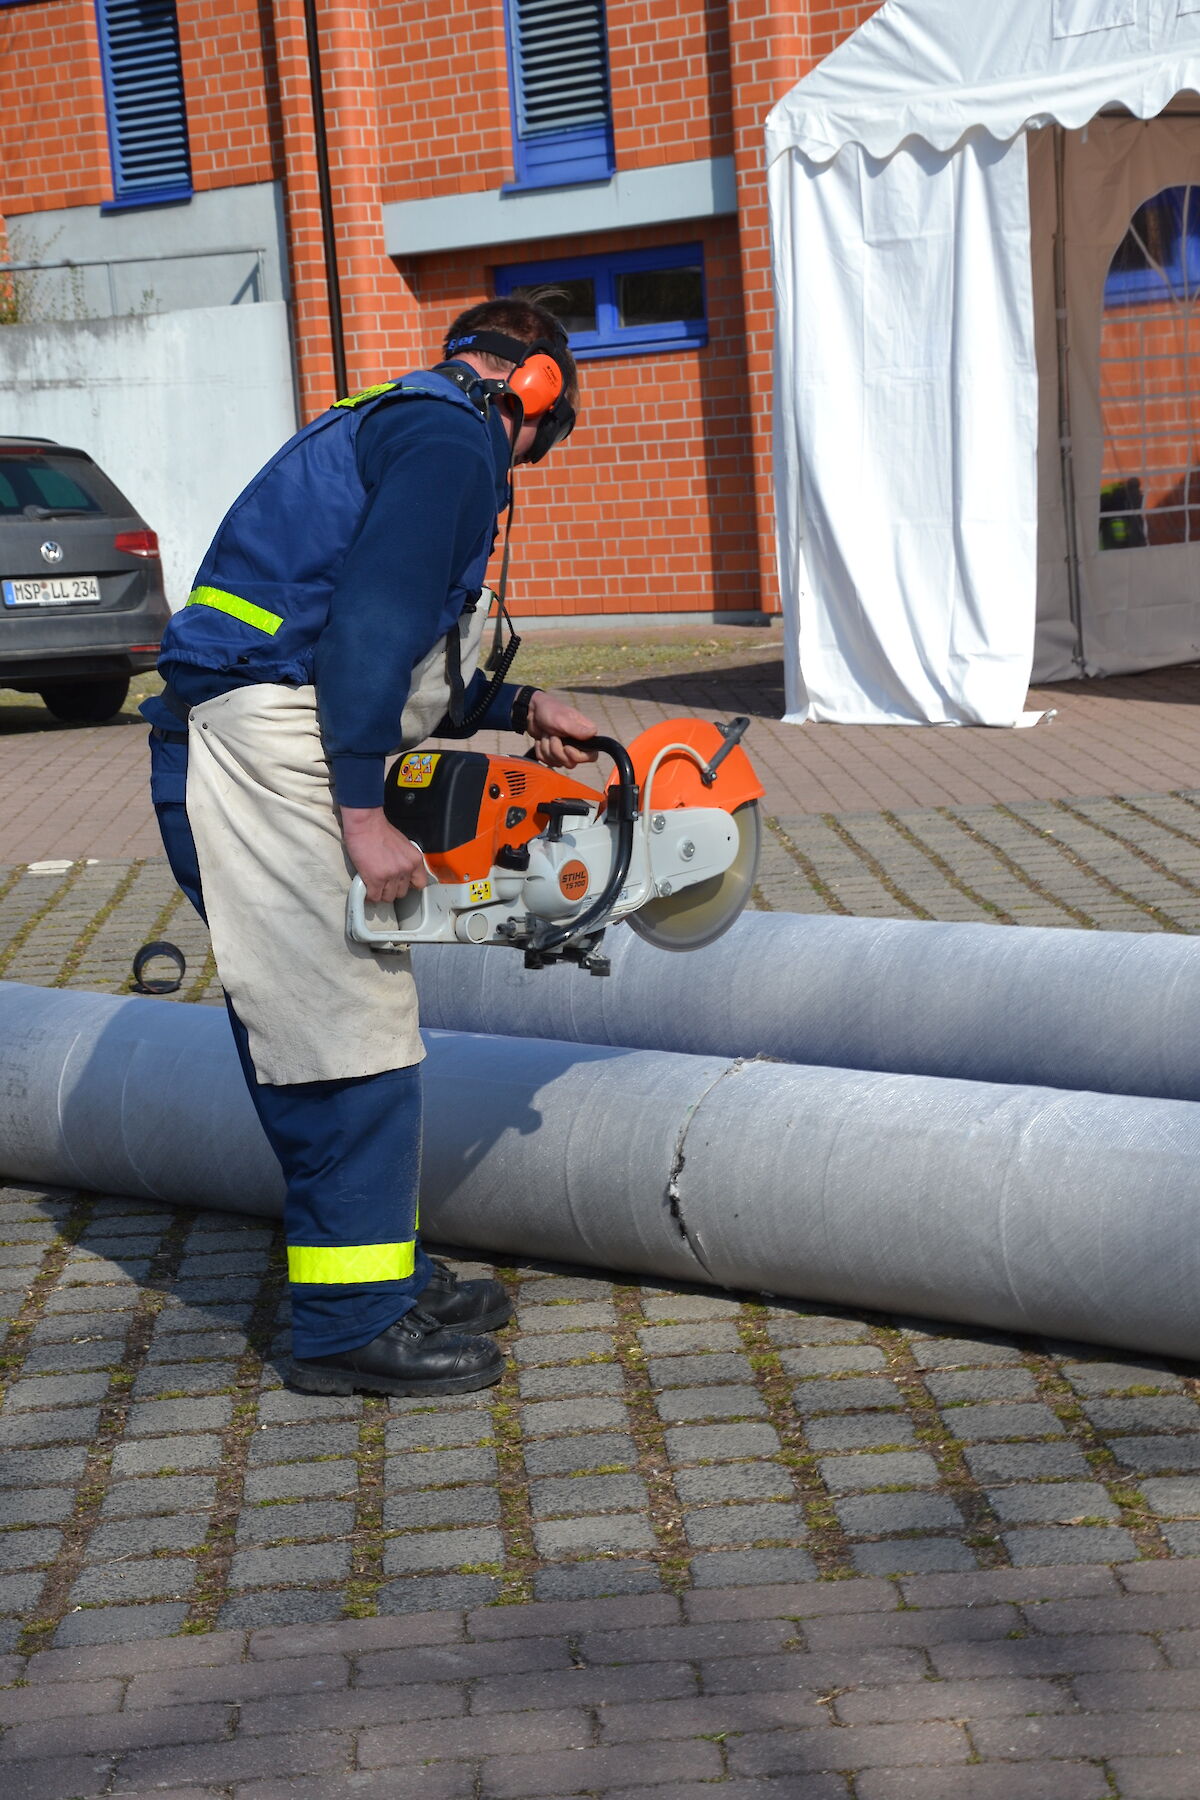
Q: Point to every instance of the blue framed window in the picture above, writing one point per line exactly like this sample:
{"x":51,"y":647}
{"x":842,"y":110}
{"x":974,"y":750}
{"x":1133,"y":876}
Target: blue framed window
{"x":1159,"y":256}
{"x":559,"y":92}
{"x":627,"y":303}
{"x":144,"y":98}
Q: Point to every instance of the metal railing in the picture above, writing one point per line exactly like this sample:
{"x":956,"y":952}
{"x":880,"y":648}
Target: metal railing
{"x":253,"y":284}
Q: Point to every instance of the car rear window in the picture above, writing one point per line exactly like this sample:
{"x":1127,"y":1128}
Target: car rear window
{"x":33,"y":485}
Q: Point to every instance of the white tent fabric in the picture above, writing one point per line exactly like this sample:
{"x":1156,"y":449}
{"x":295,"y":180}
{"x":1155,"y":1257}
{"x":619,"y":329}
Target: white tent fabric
{"x":907,"y":418}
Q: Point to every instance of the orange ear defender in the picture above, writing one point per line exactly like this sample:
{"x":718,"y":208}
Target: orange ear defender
{"x":537,"y":383}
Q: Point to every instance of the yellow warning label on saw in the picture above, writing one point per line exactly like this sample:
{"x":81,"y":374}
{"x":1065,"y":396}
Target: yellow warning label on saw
{"x":480,"y":891}
{"x":417,"y":771}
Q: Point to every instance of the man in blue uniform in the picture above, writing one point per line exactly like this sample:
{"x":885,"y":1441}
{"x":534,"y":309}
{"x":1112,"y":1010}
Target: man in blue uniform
{"x":334,"y":621}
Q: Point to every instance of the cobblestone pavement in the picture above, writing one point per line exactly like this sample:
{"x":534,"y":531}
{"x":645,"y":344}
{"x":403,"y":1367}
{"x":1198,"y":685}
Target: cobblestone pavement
{"x":694,"y":1544}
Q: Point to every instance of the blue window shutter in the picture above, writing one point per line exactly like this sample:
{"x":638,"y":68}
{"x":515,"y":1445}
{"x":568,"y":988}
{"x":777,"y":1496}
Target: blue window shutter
{"x":147,"y":114}
{"x":562,"y":111}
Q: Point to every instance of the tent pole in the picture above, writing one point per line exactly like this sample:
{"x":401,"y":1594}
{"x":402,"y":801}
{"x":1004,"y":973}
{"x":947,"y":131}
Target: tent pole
{"x":1065,"y":448}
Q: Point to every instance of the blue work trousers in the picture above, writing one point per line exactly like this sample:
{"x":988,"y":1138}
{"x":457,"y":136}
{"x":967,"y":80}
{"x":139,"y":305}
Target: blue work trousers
{"x":350,"y":1150}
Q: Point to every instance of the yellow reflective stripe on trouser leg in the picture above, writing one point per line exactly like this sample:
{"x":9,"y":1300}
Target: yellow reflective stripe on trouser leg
{"x":329,"y":1266}
{"x":237,"y":608}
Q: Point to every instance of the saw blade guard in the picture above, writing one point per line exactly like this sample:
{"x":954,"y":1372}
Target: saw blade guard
{"x":695,"y":762}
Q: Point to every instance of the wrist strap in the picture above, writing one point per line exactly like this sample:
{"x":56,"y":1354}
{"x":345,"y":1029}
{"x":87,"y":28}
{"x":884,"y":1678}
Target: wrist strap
{"x":520,"y":709}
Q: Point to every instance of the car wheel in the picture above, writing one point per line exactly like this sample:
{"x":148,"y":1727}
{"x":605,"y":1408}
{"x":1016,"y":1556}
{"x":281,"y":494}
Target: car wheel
{"x":86,"y":702}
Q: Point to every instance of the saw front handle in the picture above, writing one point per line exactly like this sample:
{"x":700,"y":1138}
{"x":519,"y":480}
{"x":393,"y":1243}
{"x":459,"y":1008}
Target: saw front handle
{"x":622,"y":812}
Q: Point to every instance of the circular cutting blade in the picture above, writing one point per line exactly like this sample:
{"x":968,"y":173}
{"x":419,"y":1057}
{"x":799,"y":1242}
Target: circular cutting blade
{"x":696,"y":916}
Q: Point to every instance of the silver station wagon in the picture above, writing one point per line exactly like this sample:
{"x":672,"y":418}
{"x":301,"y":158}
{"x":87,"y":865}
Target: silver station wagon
{"x":82,"y":606}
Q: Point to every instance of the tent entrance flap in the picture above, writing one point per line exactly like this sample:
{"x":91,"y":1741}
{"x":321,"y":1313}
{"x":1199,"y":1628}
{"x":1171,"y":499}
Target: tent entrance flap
{"x":1063,"y":384}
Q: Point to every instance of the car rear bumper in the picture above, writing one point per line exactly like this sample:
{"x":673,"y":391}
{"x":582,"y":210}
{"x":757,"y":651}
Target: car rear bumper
{"x":41,"y":646}
{"x":29,"y":673}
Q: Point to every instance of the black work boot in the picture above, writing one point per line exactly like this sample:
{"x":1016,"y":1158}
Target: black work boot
{"x":416,"y":1355}
{"x":464,"y":1305}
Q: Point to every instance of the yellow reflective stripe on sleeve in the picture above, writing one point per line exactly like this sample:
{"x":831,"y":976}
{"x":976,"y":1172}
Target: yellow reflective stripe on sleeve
{"x":237,"y":608}
{"x":326,"y":1266}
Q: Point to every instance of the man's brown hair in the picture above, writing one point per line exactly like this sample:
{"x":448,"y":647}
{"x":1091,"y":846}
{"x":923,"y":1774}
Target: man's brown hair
{"x":522,"y":314}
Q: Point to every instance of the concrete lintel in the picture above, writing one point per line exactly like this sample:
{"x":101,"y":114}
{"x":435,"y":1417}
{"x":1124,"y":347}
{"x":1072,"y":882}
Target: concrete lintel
{"x":692,"y":190}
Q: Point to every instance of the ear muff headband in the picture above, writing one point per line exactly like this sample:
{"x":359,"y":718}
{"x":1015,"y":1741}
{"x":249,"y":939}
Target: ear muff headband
{"x":540,"y":377}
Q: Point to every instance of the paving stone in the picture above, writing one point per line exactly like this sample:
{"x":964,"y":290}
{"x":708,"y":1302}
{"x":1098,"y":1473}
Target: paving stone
{"x":912,"y":1556}
{"x":1172,"y":1498}
{"x":291,"y":1606}
{"x":120,"y":1624}
{"x":283,"y":1407}
{"x":1144,"y":1412}
{"x":733,"y":1481}
{"x":439,"y":1468}
{"x":950,"y":1353}
{"x":747,"y":1568}
{"x":298,"y":1565}
{"x":1009,"y":1383}
{"x":1118,"y":1377}
{"x":1051,"y":1502}
{"x":573,"y":1415}
{"x":151,"y":1578}
{"x":70,"y":1424}
{"x":831,"y":1359}
{"x":438,"y":1593}
{"x":743,"y":1524}
{"x":544,"y":1289}
{"x":561,"y":1382}
{"x":676,"y":1340}
{"x":159,"y":1494}
{"x":63,"y":1358}
{"x":223,"y":1293}
{"x":1153,"y":1453}
{"x":55,"y":1390}
{"x":441,"y":1506}
{"x":177,"y":1346}
{"x":138,"y":1537}
{"x":887,"y":1468}
{"x":560,"y":1456}
{"x":610,"y":1531}
{"x":65,"y":1328}
{"x":20,"y":1593}
{"x":26,"y":1469}
{"x":87,"y":1300}
{"x":441,"y":1550}
{"x":437,"y":1430}
{"x":699,"y":1371}
{"x":815,"y":1328}
{"x":301,"y":1519}
{"x":858,"y":1431}
{"x":1069,"y":1544}
{"x":576,"y":1316}
{"x":591,"y":1580}
{"x":845,"y":1396}
{"x":297,"y":1443}
{"x":27,"y":1549}
{"x":872,"y":1515}
{"x":676,"y":1309}
{"x":169,"y":1381}
{"x":35,"y":1506}
{"x":158,"y":1418}
{"x":1025,"y":1462}
{"x":712,"y":1443}
{"x":996,"y":1422}
{"x":155,"y":1456}
{"x":580,"y":1494}
{"x":561,"y":1347}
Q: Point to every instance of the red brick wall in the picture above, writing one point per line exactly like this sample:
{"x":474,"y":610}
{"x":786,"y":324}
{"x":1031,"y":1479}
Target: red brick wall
{"x":232,"y":90}
{"x":51,"y":155}
{"x":1151,"y":415}
{"x":669,"y":66}
{"x":648,"y":507}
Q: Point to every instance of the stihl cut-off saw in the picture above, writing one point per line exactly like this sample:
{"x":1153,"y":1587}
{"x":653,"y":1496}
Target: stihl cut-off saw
{"x":524,"y":855}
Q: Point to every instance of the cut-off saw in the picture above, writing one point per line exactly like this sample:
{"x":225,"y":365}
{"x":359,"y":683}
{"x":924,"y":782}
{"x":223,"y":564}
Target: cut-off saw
{"x":520,"y":854}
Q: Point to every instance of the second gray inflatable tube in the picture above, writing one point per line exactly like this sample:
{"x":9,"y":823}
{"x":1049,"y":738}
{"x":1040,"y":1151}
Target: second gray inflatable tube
{"x":1116,"y":1012}
{"x":1071,"y":1214}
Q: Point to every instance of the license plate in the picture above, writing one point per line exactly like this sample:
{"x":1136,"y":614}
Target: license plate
{"x":63,"y":590}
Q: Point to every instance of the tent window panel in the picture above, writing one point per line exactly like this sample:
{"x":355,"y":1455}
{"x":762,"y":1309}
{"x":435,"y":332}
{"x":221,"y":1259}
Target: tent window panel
{"x":1149,"y":368}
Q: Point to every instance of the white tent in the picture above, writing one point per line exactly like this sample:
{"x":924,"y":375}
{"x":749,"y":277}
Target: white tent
{"x":959,"y":394}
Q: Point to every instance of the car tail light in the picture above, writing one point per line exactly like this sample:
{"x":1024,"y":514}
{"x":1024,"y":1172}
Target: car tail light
{"x":137,"y":543}
{"x":145,"y":649}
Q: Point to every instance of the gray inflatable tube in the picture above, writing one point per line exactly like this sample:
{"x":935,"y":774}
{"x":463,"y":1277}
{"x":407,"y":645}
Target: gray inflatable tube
{"x":1024,"y":1208}
{"x":1117,"y":1012}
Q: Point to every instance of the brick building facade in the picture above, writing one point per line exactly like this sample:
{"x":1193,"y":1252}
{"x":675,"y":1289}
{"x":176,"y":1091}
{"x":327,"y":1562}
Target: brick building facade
{"x":439,"y":189}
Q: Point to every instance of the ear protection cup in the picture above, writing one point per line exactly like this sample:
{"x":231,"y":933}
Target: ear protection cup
{"x":537,"y":383}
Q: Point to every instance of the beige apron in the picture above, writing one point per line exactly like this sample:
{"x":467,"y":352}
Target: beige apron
{"x":275,"y":877}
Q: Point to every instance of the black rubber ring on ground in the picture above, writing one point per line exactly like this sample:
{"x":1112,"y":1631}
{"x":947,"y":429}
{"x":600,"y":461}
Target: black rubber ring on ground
{"x":163,"y":984}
